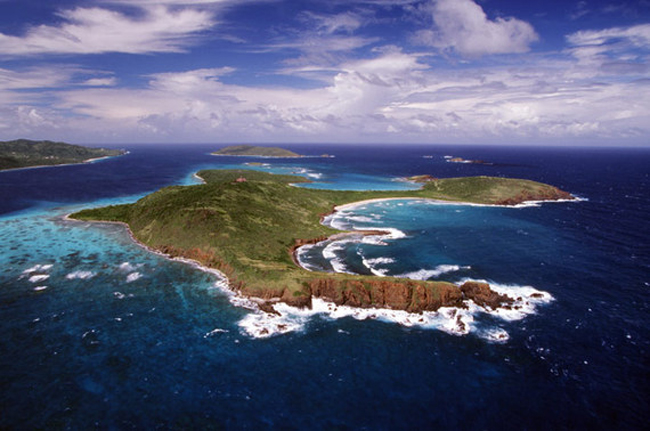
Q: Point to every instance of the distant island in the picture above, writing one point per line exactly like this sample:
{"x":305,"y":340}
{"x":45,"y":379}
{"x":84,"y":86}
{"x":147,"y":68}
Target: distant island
{"x":248,"y":224}
{"x":250,"y":150}
{"x":452,"y":159}
{"x":24,"y":153}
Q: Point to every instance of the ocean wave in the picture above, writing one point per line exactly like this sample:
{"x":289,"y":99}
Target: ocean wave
{"x":133,"y":276}
{"x":425,"y":274}
{"x":307,"y":173}
{"x":38,"y":268}
{"x":39,"y":288}
{"x":451,"y":320}
{"x":360,"y":219}
{"x":263,"y":325}
{"x":380,"y":239}
{"x":494,"y":335}
{"x":330,"y":253}
{"x":290,"y":319}
{"x":214,"y":332}
{"x":373,"y":240}
{"x":38,"y":278}
{"x":128,"y":267}
{"x":80,"y":275}
{"x":300,"y":257}
{"x":526,"y":300}
{"x":379,"y":260}
{"x":372,"y":264}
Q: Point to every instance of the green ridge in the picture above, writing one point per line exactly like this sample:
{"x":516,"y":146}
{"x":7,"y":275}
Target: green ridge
{"x":22,"y":153}
{"x":246,"y":223}
{"x":250,"y":150}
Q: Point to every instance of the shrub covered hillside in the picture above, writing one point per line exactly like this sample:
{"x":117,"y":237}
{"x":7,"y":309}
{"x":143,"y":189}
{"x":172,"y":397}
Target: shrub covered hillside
{"x":247,"y":224}
{"x":22,"y":153}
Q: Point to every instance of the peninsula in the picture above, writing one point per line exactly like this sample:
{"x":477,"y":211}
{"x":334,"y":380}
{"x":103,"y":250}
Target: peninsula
{"x":248,"y":224}
{"x":24,"y":153}
{"x":250,"y":150}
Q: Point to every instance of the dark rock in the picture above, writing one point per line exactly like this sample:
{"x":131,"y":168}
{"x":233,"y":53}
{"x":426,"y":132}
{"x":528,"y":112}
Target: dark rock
{"x":482,"y":295}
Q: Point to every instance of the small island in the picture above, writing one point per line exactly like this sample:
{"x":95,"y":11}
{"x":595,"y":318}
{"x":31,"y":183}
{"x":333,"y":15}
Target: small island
{"x":250,"y":150}
{"x":25,"y":153}
{"x":452,"y":159}
{"x":248,"y":225}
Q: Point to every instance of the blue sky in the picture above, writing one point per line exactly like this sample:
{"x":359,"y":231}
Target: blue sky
{"x":377,"y":71}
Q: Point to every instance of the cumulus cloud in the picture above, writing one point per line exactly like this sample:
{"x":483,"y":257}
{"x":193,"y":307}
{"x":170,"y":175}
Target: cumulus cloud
{"x":97,"y":30}
{"x":598,"y":88}
{"x":463,"y":27}
{"x":389,"y":96}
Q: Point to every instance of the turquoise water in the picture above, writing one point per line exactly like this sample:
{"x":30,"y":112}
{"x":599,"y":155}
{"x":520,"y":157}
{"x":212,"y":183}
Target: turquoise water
{"x":99,"y":333}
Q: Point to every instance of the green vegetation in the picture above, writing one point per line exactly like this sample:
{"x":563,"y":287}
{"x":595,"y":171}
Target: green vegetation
{"x":249,"y":150}
{"x":247,"y":223}
{"x":22,"y":153}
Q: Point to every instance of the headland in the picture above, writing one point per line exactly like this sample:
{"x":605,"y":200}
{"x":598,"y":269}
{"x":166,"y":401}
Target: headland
{"x":254,"y":151}
{"x":248,"y":224}
{"x":25,"y":153}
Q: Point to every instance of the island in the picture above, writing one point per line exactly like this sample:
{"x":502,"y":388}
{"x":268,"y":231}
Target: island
{"x":248,"y":224}
{"x":250,"y":150}
{"x":24,"y":153}
{"x":452,"y":159}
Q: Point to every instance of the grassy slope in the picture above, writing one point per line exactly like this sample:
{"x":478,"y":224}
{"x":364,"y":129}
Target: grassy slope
{"x":24,"y":153}
{"x":247,"y":229}
{"x":249,"y":150}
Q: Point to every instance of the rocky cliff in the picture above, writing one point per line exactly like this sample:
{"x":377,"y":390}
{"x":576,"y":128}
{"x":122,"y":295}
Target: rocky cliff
{"x":547,"y":194}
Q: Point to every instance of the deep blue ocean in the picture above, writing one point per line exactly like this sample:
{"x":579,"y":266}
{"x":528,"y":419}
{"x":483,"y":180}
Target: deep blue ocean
{"x":98,"y":333}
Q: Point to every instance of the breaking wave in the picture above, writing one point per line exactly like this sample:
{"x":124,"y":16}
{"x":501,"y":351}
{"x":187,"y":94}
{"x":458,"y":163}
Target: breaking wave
{"x":81,"y":275}
{"x":426,"y":274}
{"x":451,"y":320}
{"x":133,"y":276}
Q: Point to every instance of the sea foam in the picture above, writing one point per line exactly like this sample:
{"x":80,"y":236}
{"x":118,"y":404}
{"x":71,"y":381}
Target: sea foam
{"x":330,"y":253}
{"x":80,"y":275}
{"x":426,"y":274}
{"x":133,"y":276}
{"x":38,"y":268}
{"x":38,"y":278}
{"x":451,"y":320}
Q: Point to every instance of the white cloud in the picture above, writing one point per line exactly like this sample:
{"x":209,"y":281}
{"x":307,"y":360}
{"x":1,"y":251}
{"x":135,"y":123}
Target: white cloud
{"x":100,"y":82}
{"x":329,"y":24}
{"x":177,"y":2}
{"x":463,"y":26}
{"x":614,"y":53}
{"x":638,"y":36}
{"x":391,"y":96}
{"x":35,"y":77}
{"x":599,"y":88}
{"x":322,"y":40}
{"x":97,"y":30}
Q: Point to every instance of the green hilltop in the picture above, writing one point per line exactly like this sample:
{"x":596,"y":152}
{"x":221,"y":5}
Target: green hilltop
{"x":247,"y":224}
{"x":22,"y":153}
{"x":250,"y":150}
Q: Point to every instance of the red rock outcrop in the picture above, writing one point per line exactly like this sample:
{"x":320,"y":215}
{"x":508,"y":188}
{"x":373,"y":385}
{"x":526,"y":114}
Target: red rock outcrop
{"x":398,"y":294}
{"x":547,"y":194}
{"x":482,"y":295}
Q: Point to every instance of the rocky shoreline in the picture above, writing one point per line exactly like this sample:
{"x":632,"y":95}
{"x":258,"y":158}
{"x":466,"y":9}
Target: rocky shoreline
{"x":271,"y":276}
